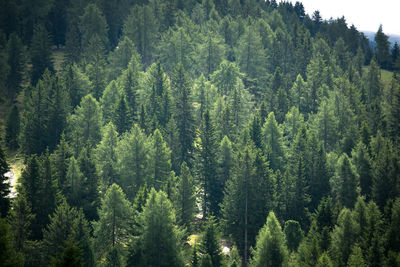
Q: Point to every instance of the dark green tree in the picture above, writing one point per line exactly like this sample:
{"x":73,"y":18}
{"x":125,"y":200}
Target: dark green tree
{"x":181,"y":88}
{"x":272,"y":140}
{"x":4,"y":185}
{"x":348,"y":180}
{"x":40,"y":51}
{"x":293,"y":234}
{"x":161,"y":160}
{"x":210,"y":243}
{"x":213,"y":192}
{"x":112,"y":228}
{"x":158,"y":243}
{"x":186,"y":203}
{"x":16,"y":61}
{"x":382,"y":52}
{"x":270,"y":249}
{"x":122,"y":118}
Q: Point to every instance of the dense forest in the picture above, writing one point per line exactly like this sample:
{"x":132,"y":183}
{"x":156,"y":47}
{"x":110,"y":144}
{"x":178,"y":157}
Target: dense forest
{"x":195,"y":133}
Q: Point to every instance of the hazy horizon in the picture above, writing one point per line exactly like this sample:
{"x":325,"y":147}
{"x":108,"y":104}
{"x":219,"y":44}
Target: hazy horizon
{"x":366,"y":15}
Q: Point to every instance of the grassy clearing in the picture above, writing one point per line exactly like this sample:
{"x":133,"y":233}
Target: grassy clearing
{"x":58,"y":55}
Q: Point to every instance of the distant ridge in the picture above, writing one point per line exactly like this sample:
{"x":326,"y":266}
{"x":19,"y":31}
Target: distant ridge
{"x":392,"y":38}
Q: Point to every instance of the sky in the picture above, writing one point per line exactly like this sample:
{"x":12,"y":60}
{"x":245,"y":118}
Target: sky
{"x":366,"y":15}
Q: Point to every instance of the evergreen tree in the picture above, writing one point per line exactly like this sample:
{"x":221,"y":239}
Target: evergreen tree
{"x":293,"y":234}
{"x":225,"y":77}
{"x":67,"y":225}
{"x":133,"y":162}
{"x":109,"y":101}
{"x":8,"y":257}
{"x":112,"y":228}
{"x":90,"y":201}
{"x":382,"y":49}
{"x":212,"y":195}
{"x":106,"y":157}
{"x":141,"y":27}
{"x":40,"y":53}
{"x":270,"y":249}
{"x":16,"y":61}
{"x":85,"y":124}
{"x":186,"y":204}
{"x":347,"y":180}
{"x":161,"y":164}
{"x":121,"y":57}
{"x":210,"y":243}
{"x":385,"y":170}
{"x":225,"y":161}
{"x":393,"y":233}
{"x":130,"y":84}
{"x":21,"y":219}
{"x":76,"y":83}
{"x":4,"y":185}
{"x":75,"y":184}
{"x":362,"y":163}
{"x":122,"y":118}
{"x":59,"y":162}
{"x":70,"y":256}
{"x":324,"y":261}
{"x":344,"y":236}
{"x":356,"y":258}
{"x":272,"y":140}
{"x":159,"y":241}
{"x":184,"y":112}
{"x":92,"y":23}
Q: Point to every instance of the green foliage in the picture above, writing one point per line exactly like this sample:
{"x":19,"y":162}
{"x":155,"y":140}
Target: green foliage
{"x":40,"y":53}
{"x":133,"y":161}
{"x":270,"y":249}
{"x":210,"y":244}
{"x":186,"y":203}
{"x":293,"y":234}
{"x":85,"y":123}
{"x":8,"y":256}
{"x":112,"y":228}
{"x":158,"y":243}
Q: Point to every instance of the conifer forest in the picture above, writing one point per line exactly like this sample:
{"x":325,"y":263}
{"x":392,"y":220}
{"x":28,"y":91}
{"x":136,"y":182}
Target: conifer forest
{"x":171,"y":133}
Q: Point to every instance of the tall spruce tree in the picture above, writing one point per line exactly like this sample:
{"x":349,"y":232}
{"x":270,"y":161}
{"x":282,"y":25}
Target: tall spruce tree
{"x":213,"y":191}
{"x":184,"y":112}
{"x":112,"y":228}
{"x":186,"y":203}
{"x":40,"y":53}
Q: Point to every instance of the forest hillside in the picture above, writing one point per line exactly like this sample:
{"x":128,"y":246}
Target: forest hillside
{"x":195,"y":133}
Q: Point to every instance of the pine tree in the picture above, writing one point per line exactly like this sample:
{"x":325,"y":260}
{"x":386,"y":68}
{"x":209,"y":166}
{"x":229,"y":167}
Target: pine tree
{"x":293,"y":234}
{"x":270,"y":249}
{"x":184,"y":112}
{"x":130,"y":84}
{"x":343,"y":237}
{"x":356,"y":258}
{"x":122,"y":118}
{"x":161,"y":164}
{"x":382,"y":49}
{"x":210,"y":244}
{"x":141,"y":27}
{"x":212,"y":195}
{"x":362,"y":163}
{"x":393,"y":233}
{"x":91,"y":200}
{"x":76,"y":83}
{"x":159,"y":241}
{"x":21,"y":219}
{"x":106,"y":157}
{"x":109,"y":100}
{"x":121,"y":57}
{"x":75,"y":184}
{"x":40,"y":53}
{"x":85,"y":124}
{"x":186,"y":203}
{"x":272,"y":140}
{"x":324,"y":261}
{"x":16,"y":61}
{"x":226,"y":77}
{"x":112,"y":228}
{"x":133,"y":162}
{"x":8,"y":257}
{"x":4,"y":185}
{"x":93,"y":23}
{"x":225,"y":161}
{"x":59,"y":162}
{"x":385,"y":168}
{"x":67,"y":224}
{"x":30,"y":186}
{"x":347,"y":180}
{"x":70,"y":256}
